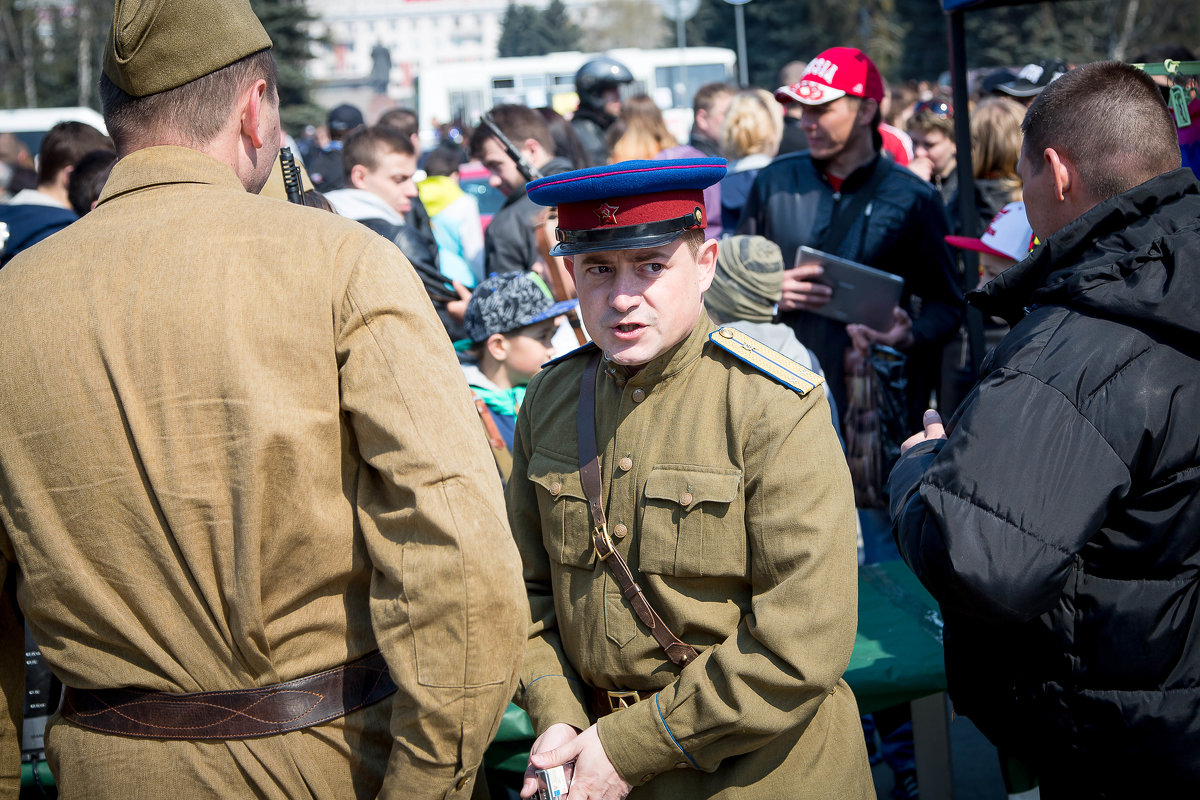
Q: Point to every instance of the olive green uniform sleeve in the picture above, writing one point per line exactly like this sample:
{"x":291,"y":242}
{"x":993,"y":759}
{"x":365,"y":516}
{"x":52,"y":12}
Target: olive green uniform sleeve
{"x":550,"y":691}
{"x":788,"y":654}
{"x":446,"y":605}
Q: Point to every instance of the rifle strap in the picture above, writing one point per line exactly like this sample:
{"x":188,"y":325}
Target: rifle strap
{"x":680,"y":653}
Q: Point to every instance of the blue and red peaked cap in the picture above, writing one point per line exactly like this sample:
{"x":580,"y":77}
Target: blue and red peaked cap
{"x":627,"y":205}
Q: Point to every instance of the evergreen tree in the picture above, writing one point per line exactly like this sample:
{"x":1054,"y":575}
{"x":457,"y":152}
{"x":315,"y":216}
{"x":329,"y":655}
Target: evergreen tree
{"x":287,"y":23}
{"x":526,"y":31}
{"x":561,"y":33}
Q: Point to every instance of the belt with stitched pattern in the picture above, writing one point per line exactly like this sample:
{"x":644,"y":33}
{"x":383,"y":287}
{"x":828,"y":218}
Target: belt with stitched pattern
{"x":234,"y":713}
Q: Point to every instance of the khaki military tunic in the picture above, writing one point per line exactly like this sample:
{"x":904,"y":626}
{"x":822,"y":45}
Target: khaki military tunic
{"x":236,"y":449}
{"x":728,"y":492}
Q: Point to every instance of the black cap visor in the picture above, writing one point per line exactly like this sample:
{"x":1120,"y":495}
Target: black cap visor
{"x":625,"y":237}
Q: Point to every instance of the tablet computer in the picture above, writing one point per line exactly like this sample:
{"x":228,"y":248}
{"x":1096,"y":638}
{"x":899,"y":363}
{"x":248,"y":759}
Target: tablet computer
{"x":860,"y":293}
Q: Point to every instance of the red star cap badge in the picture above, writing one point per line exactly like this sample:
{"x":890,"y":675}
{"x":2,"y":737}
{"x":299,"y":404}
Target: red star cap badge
{"x":607,"y":214}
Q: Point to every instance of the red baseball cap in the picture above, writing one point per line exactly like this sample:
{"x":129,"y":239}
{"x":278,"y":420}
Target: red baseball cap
{"x":836,"y":72}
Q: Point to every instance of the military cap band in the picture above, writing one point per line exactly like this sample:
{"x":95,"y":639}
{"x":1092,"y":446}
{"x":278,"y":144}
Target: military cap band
{"x":628,"y":205}
{"x":156,"y":45}
{"x":628,"y":237}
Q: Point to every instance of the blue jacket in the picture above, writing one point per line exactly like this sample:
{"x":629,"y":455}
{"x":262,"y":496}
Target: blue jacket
{"x":28,"y":224}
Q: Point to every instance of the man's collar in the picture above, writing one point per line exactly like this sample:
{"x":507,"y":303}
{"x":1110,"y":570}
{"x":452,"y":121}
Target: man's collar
{"x":167,"y":164}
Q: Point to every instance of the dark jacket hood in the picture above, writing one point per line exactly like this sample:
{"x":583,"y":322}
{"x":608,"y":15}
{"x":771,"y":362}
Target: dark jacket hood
{"x":1126,"y":260}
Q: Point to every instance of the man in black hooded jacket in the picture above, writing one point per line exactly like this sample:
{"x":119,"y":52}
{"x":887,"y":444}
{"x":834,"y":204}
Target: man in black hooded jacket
{"x":1057,"y":525}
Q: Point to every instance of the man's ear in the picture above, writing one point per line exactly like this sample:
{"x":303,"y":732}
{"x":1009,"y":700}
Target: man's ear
{"x":533,"y":151}
{"x":358,"y":176}
{"x":64,"y":176}
{"x":1062,"y":171}
{"x":706,"y":260}
{"x":569,"y":263}
{"x":251,"y":115}
{"x":866,"y":110}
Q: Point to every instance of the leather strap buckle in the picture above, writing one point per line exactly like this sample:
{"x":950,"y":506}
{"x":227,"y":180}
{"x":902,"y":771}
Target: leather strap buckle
{"x":619,"y":700}
{"x":601,"y":535}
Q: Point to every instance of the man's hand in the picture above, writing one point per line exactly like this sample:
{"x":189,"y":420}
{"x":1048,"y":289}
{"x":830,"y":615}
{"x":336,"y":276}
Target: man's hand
{"x":898,"y":336}
{"x":933,"y":430}
{"x":595,"y":778}
{"x":457,"y":309}
{"x":557,"y":735}
{"x":802,"y":289}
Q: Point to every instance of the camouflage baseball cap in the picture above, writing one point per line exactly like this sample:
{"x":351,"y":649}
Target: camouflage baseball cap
{"x":509,"y":301}
{"x":156,"y":45}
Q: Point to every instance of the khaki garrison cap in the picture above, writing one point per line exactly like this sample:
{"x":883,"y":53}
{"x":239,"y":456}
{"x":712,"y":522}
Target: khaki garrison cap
{"x":155,"y":45}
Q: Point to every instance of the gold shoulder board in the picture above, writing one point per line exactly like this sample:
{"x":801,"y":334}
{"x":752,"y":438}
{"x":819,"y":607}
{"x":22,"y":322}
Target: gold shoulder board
{"x":764,"y":359}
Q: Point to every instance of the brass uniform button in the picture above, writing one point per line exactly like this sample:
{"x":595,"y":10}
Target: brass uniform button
{"x":625,"y":464}
{"x":728,"y":334}
{"x":461,"y":782}
{"x":555,"y":488}
{"x":685,"y":499}
{"x":620,"y":531}
{"x":681,"y":765}
{"x":647,"y":777}
{"x":639,"y":395}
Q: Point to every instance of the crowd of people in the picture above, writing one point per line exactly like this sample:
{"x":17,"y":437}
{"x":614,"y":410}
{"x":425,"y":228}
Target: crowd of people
{"x":612,"y":455}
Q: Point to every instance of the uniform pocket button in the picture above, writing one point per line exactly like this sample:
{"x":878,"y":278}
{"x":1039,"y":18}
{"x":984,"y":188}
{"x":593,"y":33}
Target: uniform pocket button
{"x":685,"y":499}
{"x":555,"y":488}
{"x":625,"y":464}
{"x":620,"y":531}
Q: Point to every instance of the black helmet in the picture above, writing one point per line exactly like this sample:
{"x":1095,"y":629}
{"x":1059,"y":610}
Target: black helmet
{"x":597,"y":75}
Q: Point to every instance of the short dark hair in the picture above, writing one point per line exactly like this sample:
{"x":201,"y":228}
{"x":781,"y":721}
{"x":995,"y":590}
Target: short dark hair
{"x":88,"y":178}
{"x":365,"y":145}
{"x":706,"y":95}
{"x":401,"y":119}
{"x":443,"y":160}
{"x":1109,"y":120}
{"x":195,"y":111}
{"x":518,"y":123}
{"x":64,"y":145}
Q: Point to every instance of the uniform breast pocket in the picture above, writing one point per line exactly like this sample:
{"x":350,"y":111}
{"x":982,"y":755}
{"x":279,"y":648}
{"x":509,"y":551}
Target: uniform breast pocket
{"x":566,"y":521}
{"x":693,"y":522}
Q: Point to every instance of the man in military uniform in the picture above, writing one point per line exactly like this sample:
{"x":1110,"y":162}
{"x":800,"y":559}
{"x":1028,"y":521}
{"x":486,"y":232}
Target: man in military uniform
{"x":711,"y":472}
{"x":234,"y":521}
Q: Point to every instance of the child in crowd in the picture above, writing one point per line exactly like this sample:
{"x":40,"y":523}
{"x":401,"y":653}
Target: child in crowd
{"x":510,"y":321}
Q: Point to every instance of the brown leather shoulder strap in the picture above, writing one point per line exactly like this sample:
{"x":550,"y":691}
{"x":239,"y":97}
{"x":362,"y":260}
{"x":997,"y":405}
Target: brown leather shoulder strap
{"x":680,"y":653}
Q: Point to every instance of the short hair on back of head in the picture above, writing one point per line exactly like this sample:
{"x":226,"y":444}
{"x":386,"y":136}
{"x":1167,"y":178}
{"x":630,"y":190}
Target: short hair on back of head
{"x":401,"y":119}
{"x":367,"y":145}
{"x":194,"y":112}
{"x":88,"y":179}
{"x":64,"y":145}
{"x":518,"y":123}
{"x":1109,"y":120}
{"x":706,"y":95}
{"x":443,"y":161}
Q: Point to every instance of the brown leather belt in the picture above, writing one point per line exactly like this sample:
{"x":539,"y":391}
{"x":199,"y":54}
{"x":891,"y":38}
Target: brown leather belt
{"x":235,"y":713}
{"x":604,"y":702}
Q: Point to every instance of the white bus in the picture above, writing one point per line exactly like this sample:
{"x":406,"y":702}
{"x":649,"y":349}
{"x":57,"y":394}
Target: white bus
{"x":462,"y":92}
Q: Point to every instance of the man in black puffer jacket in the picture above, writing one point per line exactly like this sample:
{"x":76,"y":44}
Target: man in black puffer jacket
{"x":1059,"y":524}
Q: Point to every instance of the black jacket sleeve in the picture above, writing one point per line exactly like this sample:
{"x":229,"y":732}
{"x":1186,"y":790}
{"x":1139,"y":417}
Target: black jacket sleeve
{"x":992,"y":519}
